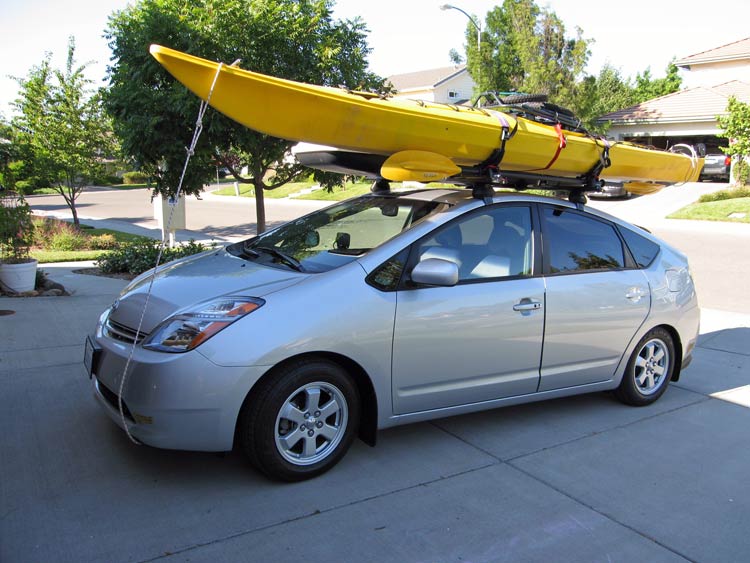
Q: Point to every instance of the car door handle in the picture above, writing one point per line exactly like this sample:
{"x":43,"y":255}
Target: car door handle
{"x":635,"y":294}
{"x":527,"y":305}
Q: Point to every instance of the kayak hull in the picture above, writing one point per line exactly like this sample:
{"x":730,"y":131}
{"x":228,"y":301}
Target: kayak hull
{"x":365,"y":123}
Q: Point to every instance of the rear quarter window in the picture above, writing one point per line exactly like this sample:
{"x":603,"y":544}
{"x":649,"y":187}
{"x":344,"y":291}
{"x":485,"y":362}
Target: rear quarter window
{"x":643,"y":250}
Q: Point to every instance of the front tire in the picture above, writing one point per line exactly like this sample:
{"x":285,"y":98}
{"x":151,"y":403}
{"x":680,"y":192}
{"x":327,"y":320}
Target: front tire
{"x":649,"y":369}
{"x":301,"y":421}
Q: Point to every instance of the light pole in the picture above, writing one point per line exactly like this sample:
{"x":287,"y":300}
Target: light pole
{"x":473,"y":22}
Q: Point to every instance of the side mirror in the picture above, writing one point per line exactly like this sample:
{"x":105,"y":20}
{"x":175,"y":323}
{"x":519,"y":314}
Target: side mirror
{"x":312,"y":239}
{"x":434,"y":271}
{"x":343,"y":240}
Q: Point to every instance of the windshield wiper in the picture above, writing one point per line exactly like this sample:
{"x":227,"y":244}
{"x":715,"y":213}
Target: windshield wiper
{"x":290,"y":261}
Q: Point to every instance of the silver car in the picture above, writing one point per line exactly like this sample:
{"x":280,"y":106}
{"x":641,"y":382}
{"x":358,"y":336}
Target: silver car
{"x":716,"y":167}
{"x":387,"y":309}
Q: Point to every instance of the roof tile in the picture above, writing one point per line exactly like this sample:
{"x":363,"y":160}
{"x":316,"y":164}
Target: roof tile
{"x":698,"y":103}
{"x":424,"y":78}
{"x":729,"y":52}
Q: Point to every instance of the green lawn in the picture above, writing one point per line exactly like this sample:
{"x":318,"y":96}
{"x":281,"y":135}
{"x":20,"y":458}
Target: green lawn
{"x":716,"y":210}
{"x":246,"y":190}
{"x":51,"y":256}
{"x":119,"y":235}
{"x":128,"y":186}
{"x":338,"y":194}
{"x":45,"y":256}
{"x":350,"y":190}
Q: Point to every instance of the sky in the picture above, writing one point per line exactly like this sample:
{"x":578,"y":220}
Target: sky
{"x":405,"y":35}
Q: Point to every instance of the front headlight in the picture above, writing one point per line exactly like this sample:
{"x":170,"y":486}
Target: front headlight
{"x":188,"y":329}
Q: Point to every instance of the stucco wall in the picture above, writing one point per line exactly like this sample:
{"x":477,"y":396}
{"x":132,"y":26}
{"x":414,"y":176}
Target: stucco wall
{"x":715,"y":73}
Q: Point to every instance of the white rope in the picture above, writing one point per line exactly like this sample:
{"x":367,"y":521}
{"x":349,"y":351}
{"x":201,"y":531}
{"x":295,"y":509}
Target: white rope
{"x":190,"y":151}
{"x":694,"y":159}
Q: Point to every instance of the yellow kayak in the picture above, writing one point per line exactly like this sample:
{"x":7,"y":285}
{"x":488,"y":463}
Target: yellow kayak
{"x":422,"y":133}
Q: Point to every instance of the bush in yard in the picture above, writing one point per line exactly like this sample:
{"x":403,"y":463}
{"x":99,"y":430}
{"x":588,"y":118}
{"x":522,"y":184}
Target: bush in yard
{"x":134,"y":178}
{"x":68,"y":239}
{"x":103,"y":242}
{"x":54,"y":234}
{"x":732,"y":193}
{"x":135,"y":258}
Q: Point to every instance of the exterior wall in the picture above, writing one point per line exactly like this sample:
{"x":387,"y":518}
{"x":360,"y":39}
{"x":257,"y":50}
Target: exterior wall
{"x":713,"y":74}
{"x":462,"y":86}
{"x":619,"y":132}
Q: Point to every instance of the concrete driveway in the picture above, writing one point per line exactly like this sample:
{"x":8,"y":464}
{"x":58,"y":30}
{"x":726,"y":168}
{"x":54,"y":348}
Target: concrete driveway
{"x":579,"y":479}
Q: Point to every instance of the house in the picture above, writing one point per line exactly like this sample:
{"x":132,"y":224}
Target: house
{"x":719,"y":65}
{"x":452,"y":85}
{"x":689,"y":116}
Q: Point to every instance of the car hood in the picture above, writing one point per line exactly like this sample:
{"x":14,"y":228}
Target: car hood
{"x":194,"y":279}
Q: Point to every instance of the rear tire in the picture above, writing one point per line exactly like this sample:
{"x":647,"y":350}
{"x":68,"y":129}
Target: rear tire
{"x":301,"y":421}
{"x":649,"y":369}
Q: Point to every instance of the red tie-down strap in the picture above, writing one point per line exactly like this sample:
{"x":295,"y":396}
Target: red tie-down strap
{"x":563,"y":142}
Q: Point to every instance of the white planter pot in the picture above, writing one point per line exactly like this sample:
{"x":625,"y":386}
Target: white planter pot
{"x":18,"y":277}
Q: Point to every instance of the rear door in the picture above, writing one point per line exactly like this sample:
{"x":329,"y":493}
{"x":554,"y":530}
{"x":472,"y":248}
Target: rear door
{"x":596,"y":298}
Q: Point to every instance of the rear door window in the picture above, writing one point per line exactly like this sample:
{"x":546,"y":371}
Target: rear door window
{"x":575,"y":242}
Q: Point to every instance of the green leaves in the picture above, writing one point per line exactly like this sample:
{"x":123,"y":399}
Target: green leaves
{"x":736,"y":127}
{"x":154,"y":115}
{"x":62,"y":130}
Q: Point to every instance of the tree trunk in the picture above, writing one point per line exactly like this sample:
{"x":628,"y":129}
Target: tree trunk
{"x":74,"y":211}
{"x":260,"y":208}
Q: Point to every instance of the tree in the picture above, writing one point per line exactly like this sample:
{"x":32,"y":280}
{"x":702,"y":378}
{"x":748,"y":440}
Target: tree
{"x":602,"y":94}
{"x":154,"y":115}
{"x":525,"y":48}
{"x":7,"y":153}
{"x":61,"y":128}
{"x":735,"y":126}
{"x":648,"y":88}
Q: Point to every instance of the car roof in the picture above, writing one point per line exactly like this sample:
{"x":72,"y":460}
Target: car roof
{"x":461,"y":197}
{"x":464,"y":196}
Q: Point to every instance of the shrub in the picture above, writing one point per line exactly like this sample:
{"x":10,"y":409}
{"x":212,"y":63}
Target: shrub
{"x":102,"y":242}
{"x":68,"y":239}
{"x":54,"y":234}
{"x":134,"y":178}
{"x":732,"y":193}
{"x":136,"y":258}
{"x":25,"y":187}
{"x":16,"y":229}
{"x":107,"y":180}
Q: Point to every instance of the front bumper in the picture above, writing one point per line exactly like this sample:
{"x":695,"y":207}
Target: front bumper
{"x":172,"y":401}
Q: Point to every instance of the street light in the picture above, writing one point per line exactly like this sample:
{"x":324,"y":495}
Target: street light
{"x":473,"y":22}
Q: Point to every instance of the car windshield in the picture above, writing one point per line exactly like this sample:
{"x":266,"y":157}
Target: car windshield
{"x":337,"y":235}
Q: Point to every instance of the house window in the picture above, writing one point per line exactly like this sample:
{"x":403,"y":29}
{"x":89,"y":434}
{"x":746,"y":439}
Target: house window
{"x":452,"y":94}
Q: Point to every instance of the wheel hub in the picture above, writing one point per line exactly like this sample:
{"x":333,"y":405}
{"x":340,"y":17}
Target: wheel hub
{"x":311,"y":423}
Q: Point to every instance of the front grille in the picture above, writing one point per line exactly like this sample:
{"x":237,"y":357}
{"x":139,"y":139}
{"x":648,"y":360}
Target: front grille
{"x":112,"y":398}
{"x":121,"y":332}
